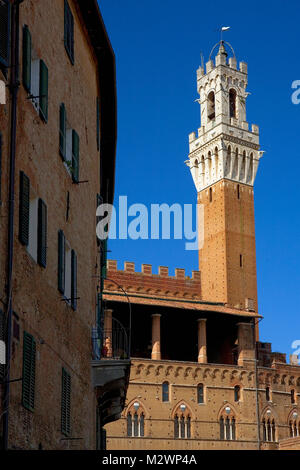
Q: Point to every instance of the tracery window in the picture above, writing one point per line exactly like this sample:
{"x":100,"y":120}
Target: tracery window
{"x":136,"y":421}
{"x":182,"y":423}
{"x":227,"y":425}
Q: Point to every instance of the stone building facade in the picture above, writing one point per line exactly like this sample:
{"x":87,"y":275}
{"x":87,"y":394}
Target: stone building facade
{"x":200,"y":377}
{"x":58,"y":140}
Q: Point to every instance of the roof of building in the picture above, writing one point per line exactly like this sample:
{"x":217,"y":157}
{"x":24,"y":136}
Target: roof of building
{"x":108,"y":100}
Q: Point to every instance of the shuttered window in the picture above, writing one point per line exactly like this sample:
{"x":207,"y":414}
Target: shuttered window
{"x":0,"y":168}
{"x":61,"y":261}
{"x":75,"y":157}
{"x":98,"y":122}
{"x":66,"y":403}
{"x":2,"y":345}
{"x":74,"y":280}
{"x":27,"y":47}
{"x":42,"y":234}
{"x":62,"y":130}
{"x":29,"y":355}
{"x":24,"y":209}
{"x":69,"y":32}
{"x":4,"y":32}
{"x":43,"y":91}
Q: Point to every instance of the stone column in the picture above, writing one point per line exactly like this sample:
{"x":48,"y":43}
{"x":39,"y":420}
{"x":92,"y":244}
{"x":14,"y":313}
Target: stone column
{"x":156,"y":354}
{"x":108,"y":332}
{"x":202,"y":352}
{"x":246,"y":345}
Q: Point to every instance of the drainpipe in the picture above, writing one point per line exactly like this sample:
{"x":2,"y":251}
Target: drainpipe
{"x":14,"y":85}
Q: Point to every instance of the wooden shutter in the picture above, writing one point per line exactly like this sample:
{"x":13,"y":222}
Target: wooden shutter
{"x":62,"y":130}
{"x":42,"y":234}
{"x":2,"y":338}
{"x":69,"y":32}
{"x":24,"y":209}
{"x":75,"y":157}
{"x":73,"y":280}
{"x":4,"y":32}
{"x":98,"y":123}
{"x":66,"y":403}
{"x":29,"y":354}
{"x":43,"y":91}
{"x":98,"y":219}
{"x":61,"y":261}
{"x":0,"y":167}
{"x":26,"y":59}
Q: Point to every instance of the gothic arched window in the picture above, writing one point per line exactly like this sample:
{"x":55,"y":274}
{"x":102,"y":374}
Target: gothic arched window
{"x":232,"y":103}
{"x":136,"y":421}
{"x":200,"y":394}
{"x":269,"y":428}
{"x":165,"y":391}
{"x":294,"y":424}
{"x":182,"y":423}
{"x":211,"y":111}
{"x":227,"y":425}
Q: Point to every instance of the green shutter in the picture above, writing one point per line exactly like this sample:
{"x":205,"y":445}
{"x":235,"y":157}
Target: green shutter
{"x":43,"y":91}
{"x":42,"y":234}
{"x":98,"y":123}
{"x":69,"y":32}
{"x":24,"y":209}
{"x":98,"y":219}
{"x":62,"y":130}
{"x":0,"y":169}
{"x":61,"y":261}
{"x":4,"y":32}
{"x":29,"y":354}
{"x":66,"y":403}
{"x":26,"y":59}
{"x":2,"y":338}
{"x":104,"y":258}
{"x":73,"y":280}
{"x":75,"y":157}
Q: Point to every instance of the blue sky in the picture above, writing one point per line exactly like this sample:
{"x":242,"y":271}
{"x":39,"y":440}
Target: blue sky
{"x":157,"y":46}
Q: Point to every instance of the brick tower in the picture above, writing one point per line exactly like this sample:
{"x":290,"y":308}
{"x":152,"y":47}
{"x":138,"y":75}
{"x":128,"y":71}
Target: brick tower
{"x":223,"y":160}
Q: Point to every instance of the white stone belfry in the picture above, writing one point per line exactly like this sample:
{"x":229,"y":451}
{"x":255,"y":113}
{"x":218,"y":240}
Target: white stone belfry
{"x":224,"y":147}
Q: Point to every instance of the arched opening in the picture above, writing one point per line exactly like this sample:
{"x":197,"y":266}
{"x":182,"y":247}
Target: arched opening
{"x":228,"y":162}
{"x":269,"y":428}
{"x":250,"y":170}
{"x":216,"y":162}
{"x":243,"y":167}
{"x":165,"y":392}
{"x":236,"y":164}
{"x":209,"y":166}
{"x":232,"y":103}
{"x":237,"y":393}
{"x":136,"y":421}
{"x":293,"y":399}
{"x":211,"y":112}
{"x":200,"y":394}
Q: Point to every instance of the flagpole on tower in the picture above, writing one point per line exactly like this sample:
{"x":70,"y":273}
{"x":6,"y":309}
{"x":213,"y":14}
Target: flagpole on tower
{"x":224,"y":28}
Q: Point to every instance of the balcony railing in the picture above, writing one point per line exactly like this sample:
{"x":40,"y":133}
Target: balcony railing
{"x":111,"y":343}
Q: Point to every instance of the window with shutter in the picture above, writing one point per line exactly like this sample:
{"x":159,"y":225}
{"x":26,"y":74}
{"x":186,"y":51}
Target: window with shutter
{"x":4,"y":32}
{"x":0,"y":169}
{"x":69,"y":32}
{"x":74,"y":280}
{"x":42,"y":234}
{"x":75,"y":157}
{"x":61,"y":262}
{"x":24,"y":209}
{"x":43,"y":91}
{"x":62,"y":130}
{"x":66,"y":403}
{"x":29,"y":356}
{"x":27,"y":59}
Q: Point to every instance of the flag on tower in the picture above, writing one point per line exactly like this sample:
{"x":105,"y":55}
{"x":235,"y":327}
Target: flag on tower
{"x":225,"y":28}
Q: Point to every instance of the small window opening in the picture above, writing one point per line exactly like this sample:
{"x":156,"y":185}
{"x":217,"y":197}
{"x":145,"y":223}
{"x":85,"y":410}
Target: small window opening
{"x":211,"y":112}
